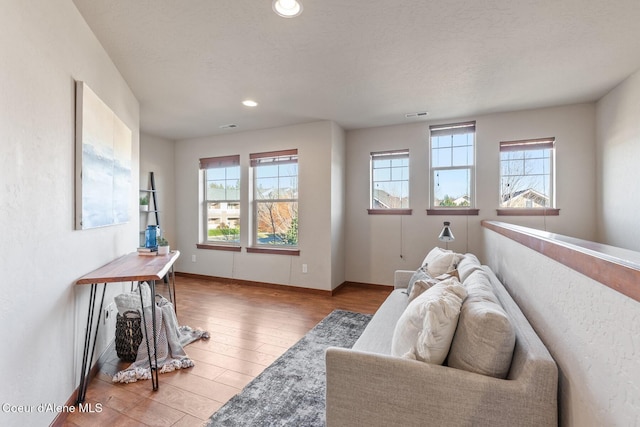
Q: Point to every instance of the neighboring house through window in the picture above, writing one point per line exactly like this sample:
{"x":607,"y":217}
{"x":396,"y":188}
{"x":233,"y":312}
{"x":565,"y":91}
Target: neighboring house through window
{"x":275,"y":198}
{"x":221,"y":207}
{"x":526,"y":173}
{"x":389,"y":182}
{"x":452,"y":166}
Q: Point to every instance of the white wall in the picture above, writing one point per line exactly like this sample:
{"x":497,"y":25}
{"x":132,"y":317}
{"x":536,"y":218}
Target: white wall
{"x":618,"y":152}
{"x":157,"y":155}
{"x":45,"y":46}
{"x":315,"y":145}
{"x":377,"y":245}
{"x":592,"y":332}
{"x":338,"y":206}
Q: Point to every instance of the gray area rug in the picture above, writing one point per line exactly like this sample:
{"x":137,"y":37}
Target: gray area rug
{"x":291,"y":391}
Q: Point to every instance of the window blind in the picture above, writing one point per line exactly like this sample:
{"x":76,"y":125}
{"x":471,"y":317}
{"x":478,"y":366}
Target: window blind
{"x":452,"y":129}
{"x":219,"y":162}
{"x":527,"y":144}
{"x":274,"y":157}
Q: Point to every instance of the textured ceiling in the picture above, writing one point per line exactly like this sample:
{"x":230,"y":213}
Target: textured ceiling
{"x":360,"y":63}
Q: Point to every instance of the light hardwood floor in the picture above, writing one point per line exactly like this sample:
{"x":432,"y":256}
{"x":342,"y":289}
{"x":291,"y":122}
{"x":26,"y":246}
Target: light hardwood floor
{"x":250,"y":327}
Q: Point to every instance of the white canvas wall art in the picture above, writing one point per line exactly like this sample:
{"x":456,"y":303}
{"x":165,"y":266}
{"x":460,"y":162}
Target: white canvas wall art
{"x":103,"y":163}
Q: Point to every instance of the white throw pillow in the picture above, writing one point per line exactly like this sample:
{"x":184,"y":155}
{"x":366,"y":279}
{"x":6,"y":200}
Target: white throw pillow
{"x":439,"y":261}
{"x":420,"y":287}
{"x":426,"y":327}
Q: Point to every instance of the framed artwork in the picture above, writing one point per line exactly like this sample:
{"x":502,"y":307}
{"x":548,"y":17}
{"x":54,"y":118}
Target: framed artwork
{"x":103,"y":163}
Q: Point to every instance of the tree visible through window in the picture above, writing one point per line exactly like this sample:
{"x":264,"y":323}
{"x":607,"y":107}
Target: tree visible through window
{"x":222,"y":199}
{"x":452,"y":165}
{"x":390,"y":180}
{"x":526,"y":173}
{"x":275,"y":196}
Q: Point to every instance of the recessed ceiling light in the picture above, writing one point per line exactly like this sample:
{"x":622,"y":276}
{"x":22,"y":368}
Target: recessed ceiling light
{"x":229,"y":126}
{"x":249,"y":103}
{"x":287,"y":8}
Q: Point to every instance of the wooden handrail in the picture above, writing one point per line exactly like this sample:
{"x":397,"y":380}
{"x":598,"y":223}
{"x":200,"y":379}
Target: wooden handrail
{"x":614,"y":267}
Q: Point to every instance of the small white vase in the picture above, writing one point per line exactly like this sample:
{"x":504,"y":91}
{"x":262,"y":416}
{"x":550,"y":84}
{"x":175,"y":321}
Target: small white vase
{"x":163,"y":250}
{"x":144,"y":208}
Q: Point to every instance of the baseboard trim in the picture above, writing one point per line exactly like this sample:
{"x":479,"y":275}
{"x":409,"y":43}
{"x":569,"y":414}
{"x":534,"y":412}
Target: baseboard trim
{"x":61,"y":418}
{"x":231,"y":281}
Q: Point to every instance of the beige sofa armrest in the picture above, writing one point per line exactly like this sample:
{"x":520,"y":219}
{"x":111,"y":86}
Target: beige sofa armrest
{"x":368,"y":389}
{"x":401,"y":278}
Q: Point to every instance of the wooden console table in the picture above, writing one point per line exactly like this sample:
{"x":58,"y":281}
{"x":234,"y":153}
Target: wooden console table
{"x":128,"y":268}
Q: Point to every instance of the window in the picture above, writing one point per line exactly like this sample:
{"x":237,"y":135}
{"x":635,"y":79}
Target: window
{"x":452,"y":165}
{"x":275,"y":197}
{"x":389,"y":182}
{"x":221,"y":199}
{"x":526,"y":173}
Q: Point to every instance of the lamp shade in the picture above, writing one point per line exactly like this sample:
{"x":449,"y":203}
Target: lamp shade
{"x":446,"y":235}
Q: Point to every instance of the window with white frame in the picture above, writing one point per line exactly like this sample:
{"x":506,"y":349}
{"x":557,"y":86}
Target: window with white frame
{"x":389,"y":180}
{"x":221,"y":207}
{"x":452,"y":165}
{"x":526,"y":173}
{"x":275,"y":198}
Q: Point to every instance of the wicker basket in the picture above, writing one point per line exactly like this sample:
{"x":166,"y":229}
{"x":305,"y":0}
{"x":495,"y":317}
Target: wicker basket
{"x":128,"y":335}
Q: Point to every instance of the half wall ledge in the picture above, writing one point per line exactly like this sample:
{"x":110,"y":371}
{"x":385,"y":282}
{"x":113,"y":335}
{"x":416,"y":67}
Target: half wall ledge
{"x":617,"y":268}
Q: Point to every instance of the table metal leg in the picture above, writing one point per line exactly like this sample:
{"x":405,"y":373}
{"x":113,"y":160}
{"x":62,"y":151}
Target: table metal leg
{"x":86,"y":358}
{"x":172,"y":280}
{"x":153,"y":367}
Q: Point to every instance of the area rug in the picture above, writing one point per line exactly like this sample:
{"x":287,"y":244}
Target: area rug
{"x":291,"y":391}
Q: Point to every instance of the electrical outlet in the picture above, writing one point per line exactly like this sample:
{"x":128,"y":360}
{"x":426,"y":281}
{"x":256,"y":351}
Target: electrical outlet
{"x":108,"y":314}
{"x":305,"y":270}
{"x":193,"y":258}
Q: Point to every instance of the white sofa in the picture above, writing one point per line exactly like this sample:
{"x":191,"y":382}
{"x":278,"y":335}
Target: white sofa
{"x":367,"y":386}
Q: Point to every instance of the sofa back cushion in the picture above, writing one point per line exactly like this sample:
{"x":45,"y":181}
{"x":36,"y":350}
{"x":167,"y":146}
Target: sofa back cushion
{"x":467,"y":265}
{"x":426,"y":327}
{"x":485,"y":338}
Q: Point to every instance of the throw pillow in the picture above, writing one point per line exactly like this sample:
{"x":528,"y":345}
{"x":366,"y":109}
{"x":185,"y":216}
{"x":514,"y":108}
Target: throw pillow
{"x":447,"y":275}
{"x":420,"y":286}
{"x":426,"y":327}
{"x":420,"y":274}
{"x":439,"y":261}
{"x":484,"y":340}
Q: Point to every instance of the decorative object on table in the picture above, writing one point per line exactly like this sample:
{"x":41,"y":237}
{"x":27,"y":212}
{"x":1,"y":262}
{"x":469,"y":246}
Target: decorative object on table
{"x":147,"y":251}
{"x":144,"y":203}
{"x":291,"y":391}
{"x":151,"y":235}
{"x":128,"y":335}
{"x":163,"y":246}
{"x":446,"y":235}
{"x":103,"y":163}
{"x":170,"y":337}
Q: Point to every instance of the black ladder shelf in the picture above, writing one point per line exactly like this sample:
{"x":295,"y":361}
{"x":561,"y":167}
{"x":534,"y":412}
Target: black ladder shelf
{"x":155,"y":210}
{"x":153,"y":192}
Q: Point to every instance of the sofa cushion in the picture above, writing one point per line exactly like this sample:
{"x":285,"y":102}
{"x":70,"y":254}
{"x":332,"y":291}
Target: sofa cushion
{"x":378,"y":334}
{"x":478,"y":286}
{"x":467,"y":265}
{"x":439,"y":261}
{"x":485,"y":338}
{"x":425,"y":329}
